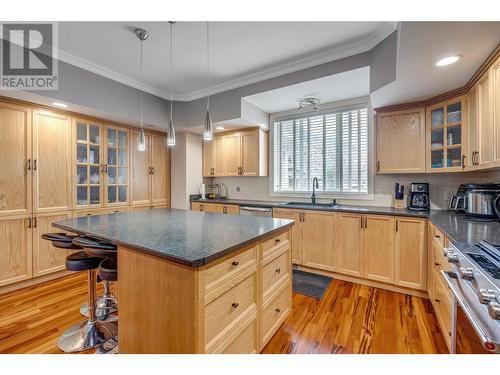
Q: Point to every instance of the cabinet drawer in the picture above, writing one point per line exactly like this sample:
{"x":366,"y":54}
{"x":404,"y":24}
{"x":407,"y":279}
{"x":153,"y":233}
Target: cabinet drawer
{"x":442,"y":302}
{"x":223,"y":314}
{"x":228,"y":268}
{"x":274,"y":314}
{"x":275,"y":272}
{"x":246,"y":343}
{"x":272,"y":244}
{"x":437,"y":236}
{"x":439,"y":261}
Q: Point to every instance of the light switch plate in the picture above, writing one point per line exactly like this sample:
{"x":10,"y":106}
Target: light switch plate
{"x":237,"y":188}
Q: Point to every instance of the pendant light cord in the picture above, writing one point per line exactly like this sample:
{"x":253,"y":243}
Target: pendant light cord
{"x":141,"y":85}
{"x":171,"y":64}
{"x":208,"y":67}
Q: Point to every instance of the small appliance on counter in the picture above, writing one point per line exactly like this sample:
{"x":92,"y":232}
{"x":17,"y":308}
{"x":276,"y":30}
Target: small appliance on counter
{"x":399,"y":191}
{"x":478,"y":200}
{"x":419,"y":196}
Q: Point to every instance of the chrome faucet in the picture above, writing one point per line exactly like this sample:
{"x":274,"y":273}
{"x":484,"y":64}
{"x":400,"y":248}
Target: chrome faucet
{"x":315,"y":186}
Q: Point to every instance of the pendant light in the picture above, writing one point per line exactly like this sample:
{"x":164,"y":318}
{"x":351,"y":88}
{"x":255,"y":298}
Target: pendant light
{"x":171,"y":128}
{"x":142,"y":35}
{"x":207,"y":127}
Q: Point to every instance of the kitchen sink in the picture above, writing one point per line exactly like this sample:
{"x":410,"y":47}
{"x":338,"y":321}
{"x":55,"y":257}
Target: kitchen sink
{"x":309,"y":204}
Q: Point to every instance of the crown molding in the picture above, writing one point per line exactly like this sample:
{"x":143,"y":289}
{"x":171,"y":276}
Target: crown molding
{"x":357,"y":46}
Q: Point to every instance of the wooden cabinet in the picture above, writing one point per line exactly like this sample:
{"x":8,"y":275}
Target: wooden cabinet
{"x":480,"y":128}
{"x":46,"y":258}
{"x":318,"y":239}
{"x":236,"y":153}
{"x":410,"y":253}
{"x":296,"y":231}
{"x":15,"y":160}
{"x":229,"y":209}
{"x":116,"y":167}
{"x":350,"y":244}
{"x":15,"y":249}
{"x":150,"y":171}
{"x":378,"y":248}
{"x":446,"y":135}
{"x":495,"y":83}
{"x":52,"y":178}
{"x":401,"y":141}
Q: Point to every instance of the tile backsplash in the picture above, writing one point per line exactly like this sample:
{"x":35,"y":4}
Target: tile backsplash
{"x":442,"y":185}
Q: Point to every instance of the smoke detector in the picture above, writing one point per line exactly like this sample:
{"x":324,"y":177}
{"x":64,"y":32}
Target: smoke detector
{"x":309,"y":102}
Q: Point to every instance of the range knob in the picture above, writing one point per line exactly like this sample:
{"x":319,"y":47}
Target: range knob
{"x":452,"y":257}
{"x":486,"y":296}
{"x":494,"y":310}
{"x":467,"y":273}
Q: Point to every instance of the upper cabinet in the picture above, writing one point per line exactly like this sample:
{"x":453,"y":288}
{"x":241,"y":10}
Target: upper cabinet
{"x":480,"y":114}
{"x":446,"y":135}
{"x":150,"y":171}
{"x":116,"y":168}
{"x":401,"y":141}
{"x":237,"y":153}
{"x":15,"y":159}
{"x":51,"y":162}
{"x":495,"y":84}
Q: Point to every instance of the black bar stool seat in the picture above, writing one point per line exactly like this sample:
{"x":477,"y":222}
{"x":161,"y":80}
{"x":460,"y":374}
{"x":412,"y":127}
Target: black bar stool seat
{"x":96,"y":248}
{"x":107,"y":269}
{"x":59,"y":237}
{"x":80,"y":261}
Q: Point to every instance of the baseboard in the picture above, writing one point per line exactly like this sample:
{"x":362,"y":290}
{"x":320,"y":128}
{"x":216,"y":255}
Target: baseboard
{"x":35,"y":281}
{"x":371,"y":283}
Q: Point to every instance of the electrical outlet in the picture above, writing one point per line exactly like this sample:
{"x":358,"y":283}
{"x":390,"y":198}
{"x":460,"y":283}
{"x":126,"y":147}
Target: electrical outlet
{"x":237,"y":188}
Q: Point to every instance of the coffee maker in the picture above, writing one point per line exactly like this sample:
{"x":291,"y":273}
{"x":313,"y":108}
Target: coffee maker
{"x":419,"y":196}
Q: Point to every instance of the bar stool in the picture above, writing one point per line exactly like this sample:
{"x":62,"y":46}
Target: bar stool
{"x":85,"y":335}
{"x":107,"y":304}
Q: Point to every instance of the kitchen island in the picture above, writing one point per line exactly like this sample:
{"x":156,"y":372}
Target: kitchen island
{"x":191,"y":282}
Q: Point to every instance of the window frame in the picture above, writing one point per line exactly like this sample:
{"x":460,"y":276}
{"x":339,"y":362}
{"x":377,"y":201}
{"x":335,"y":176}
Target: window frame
{"x":363,"y":102}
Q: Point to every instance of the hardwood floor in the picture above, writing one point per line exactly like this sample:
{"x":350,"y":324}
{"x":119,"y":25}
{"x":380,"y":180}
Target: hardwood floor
{"x":350,"y":318}
{"x":353,"y":318}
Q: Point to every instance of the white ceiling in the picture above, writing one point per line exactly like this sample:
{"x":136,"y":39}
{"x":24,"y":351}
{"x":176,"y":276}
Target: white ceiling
{"x":352,"y":84}
{"x":241,"y":52}
{"x":422,"y":44}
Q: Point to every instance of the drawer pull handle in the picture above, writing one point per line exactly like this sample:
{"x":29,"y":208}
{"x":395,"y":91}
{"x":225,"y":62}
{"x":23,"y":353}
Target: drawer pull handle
{"x":234,"y":305}
{"x":278,"y":310}
{"x":235,"y":264}
{"x":277,"y":241}
{"x":437,"y":236}
{"x":437,"y":300}
{"x":278,"y":270}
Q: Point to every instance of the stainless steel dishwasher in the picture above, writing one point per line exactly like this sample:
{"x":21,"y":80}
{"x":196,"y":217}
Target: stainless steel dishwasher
{"x":256,"y":211}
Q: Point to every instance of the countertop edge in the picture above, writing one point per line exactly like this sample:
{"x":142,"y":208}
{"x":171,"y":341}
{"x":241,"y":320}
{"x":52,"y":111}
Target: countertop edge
{"x":193,"y":264}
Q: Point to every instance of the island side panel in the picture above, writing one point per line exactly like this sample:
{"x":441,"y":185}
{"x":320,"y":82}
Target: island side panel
{"x":158,"y":305}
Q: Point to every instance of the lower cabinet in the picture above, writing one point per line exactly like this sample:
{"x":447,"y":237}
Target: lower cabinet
{"x":378,"y":248}
{"x":15,"y":249}
{"x":228,"y":209}
{"x":410,"y":253}
{"x":318,"y":239}
{"x":47,"y":258}
{"x":350,"y":244}
{"x":296,"y":231}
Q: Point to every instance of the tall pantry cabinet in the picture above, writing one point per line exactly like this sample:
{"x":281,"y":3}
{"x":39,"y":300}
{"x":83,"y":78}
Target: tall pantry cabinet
{"x":54,"y":166}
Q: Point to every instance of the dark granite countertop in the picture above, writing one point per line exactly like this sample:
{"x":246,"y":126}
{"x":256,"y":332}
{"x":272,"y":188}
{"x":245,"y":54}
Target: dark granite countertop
{"x":465,"y":231}
{"x":187,"y":237}
{"x":339,"y":208}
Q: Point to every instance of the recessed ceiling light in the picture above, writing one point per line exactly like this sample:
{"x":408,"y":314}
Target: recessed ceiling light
{"x":448,"y":60}
{"x":61,"y":105}
{"x":219,"y":127}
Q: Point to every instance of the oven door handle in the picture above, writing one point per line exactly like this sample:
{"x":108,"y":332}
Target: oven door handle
{"x":255,"y":209}
{"x":478,"y":327}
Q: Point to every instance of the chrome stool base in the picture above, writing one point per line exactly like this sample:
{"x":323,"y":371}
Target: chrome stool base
{"x":80,"y":337}
{"x":109,"y":346}
{"x":105,"y":309}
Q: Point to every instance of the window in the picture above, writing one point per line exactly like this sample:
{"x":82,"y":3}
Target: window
{"x":332,"y":146}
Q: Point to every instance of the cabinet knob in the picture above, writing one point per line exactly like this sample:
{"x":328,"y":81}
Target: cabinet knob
{"x":235,"y":305}
{"x":278,"y":310}
{"x":278,"y":270}
{"x":277,"y":241}
{"x":235,"y":264}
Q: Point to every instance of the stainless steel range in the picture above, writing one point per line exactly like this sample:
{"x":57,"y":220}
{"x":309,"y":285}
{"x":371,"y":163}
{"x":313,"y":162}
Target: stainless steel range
{"x":475,"y":284}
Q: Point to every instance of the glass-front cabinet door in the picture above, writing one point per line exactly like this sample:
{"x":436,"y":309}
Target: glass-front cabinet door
{"x":445,"y":130}
{"x":89,"y":164}
{"x":116,"y":167}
